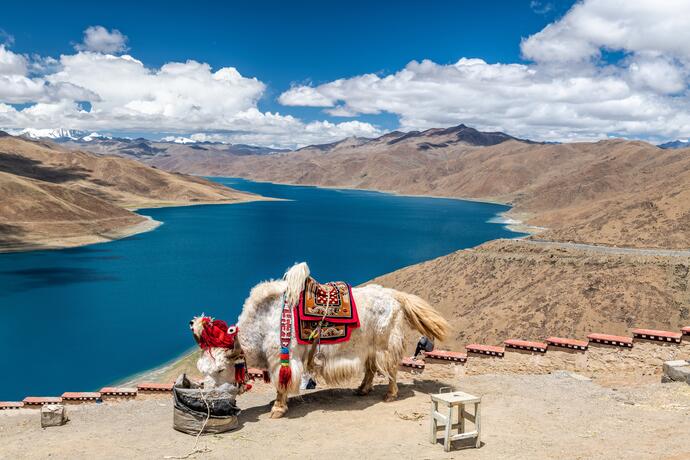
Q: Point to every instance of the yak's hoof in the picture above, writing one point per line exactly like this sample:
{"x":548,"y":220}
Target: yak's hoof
{"x":390,"y":397}
{"x":362,"y":391}
{"x":278,"y":412}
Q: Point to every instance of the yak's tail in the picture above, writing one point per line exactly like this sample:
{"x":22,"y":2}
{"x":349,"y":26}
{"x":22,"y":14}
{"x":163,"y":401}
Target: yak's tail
{"x":422,"y":316}
{"x":295,"y":277}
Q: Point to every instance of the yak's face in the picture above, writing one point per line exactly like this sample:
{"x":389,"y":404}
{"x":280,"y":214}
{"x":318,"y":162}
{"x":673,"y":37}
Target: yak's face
{"x":197,"y":326}
{"x":213,"y":333}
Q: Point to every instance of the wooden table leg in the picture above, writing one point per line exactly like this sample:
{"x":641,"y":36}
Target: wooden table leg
{"x":434,"y":427}
{"x":461,"y":418}
{"x":478,"y":423}
{"x":449,"y":424}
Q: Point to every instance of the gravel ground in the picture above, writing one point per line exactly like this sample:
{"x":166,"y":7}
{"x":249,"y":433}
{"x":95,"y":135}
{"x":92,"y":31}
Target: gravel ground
{"x":559,"y":415}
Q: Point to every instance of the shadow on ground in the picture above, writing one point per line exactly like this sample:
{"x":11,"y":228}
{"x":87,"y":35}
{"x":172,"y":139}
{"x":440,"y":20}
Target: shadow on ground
{"x":340,"y":399}
{"x":33,"y":169}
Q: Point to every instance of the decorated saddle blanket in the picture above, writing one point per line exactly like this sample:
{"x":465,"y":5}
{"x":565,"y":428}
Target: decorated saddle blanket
{"x":330,"y":306}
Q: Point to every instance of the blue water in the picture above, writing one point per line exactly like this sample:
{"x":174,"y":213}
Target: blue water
{"x":78,"y":319}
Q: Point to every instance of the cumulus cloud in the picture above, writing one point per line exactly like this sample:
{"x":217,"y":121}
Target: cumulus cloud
{"x":640,"y":26}
{"x":124,"y":94}
{"x":12,"y":63}
{"x":286,"y":131}
{"x":100,"y":40}
{"x":565,"y":90}
{"x":18,"y":87}
{"x":607,"y":67}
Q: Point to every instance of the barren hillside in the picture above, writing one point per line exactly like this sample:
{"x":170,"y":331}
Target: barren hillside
{"x":512,"y":289}
{"x":52,"y":197}
{"x":609,"y":192}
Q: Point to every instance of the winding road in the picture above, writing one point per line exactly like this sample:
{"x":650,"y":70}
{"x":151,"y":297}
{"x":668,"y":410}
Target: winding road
{"x":610,"y":249}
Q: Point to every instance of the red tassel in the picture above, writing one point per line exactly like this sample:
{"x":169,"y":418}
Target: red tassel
{"x":240,"y":374}
{"x":267,"y":377}
{"x":285,"y":376}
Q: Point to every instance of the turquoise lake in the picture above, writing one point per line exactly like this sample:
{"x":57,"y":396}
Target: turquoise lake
{"x":79,"y":319}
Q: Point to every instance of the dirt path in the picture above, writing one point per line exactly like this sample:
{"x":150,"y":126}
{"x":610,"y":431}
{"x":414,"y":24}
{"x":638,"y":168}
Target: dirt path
{"x":524,"y":417}
{"x":609,"y":249}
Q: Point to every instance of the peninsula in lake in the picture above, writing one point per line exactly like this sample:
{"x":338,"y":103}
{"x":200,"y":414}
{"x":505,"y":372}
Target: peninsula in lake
{"x":62,"y":198}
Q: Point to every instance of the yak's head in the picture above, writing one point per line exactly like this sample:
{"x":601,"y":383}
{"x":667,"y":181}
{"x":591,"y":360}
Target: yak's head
{"x":214,"y":333}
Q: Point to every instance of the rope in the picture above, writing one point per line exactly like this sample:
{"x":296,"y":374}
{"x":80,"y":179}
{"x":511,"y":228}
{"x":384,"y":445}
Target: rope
{"x":316,"y":334}
{"x":196,"y":450}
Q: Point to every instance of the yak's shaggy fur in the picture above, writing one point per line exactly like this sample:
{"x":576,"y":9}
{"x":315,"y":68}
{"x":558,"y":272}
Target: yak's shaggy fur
{"x":377,"y":345}
{"x":217,"y":365}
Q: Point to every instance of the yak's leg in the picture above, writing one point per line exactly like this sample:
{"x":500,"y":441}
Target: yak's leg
{"x":280,"y":405}
{"x":392,"y":393}
{"x":367,"y":381}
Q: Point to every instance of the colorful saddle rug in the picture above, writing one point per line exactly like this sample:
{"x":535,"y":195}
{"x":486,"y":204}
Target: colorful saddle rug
{"x":330,"y":305}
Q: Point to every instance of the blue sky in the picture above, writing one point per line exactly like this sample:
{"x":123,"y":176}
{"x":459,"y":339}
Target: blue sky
{"x":283,"y":43}
{"x":311,"y":45}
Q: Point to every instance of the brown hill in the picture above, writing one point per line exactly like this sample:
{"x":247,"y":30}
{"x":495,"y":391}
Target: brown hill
{"x":513,"y":289}
{"x":610,"y":192}
{"x":52,"y":197}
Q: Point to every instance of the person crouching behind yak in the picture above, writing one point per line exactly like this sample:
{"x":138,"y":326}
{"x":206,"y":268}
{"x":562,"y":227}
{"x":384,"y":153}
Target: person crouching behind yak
{"x":424,"y":344}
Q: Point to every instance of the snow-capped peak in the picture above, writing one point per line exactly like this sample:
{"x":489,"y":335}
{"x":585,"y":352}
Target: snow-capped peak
{"x":51,"y":133}
{"x":178,"y":140}
{"x":91,"y":137}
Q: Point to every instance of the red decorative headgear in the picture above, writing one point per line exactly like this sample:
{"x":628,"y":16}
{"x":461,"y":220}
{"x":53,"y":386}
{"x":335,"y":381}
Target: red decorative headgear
{"x":216,"y":334}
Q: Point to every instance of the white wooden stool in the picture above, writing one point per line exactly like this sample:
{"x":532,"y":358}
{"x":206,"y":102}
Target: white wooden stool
{"x":451,"y":400}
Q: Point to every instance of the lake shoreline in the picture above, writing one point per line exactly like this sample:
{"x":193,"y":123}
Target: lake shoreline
{"x":144,"y":226}
{"x":515,"y":221}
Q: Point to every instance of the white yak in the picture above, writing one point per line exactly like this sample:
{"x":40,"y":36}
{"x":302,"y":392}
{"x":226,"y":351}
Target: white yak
{"x":377,"y":345}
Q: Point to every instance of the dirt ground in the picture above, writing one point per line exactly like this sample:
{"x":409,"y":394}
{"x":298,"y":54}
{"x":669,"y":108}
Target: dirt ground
{"x":558,"y":415}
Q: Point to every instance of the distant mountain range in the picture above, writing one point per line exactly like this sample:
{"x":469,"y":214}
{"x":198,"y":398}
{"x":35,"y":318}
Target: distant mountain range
{"x":184,"y":154}
{"x":55,"y":134}
{"x":680,"y":144}
{"x":141,"y":147}
{"x":433,"y":138}
{"x":588,"y":192}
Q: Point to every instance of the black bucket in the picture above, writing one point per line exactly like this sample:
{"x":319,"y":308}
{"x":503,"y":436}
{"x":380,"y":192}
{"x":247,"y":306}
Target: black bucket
{"x":209,"y":411}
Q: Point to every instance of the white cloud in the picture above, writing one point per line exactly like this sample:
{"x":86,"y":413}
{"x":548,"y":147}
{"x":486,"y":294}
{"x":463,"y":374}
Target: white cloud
{"x":125,"y":95}
{"x":99,"y":40}
{"x":17,"y":87}
{"x":638,"y":26}
{"x":304,"y":96}
{"x":566,"y":92}
{"x":12,"y":63}
{"x":287,"y":131}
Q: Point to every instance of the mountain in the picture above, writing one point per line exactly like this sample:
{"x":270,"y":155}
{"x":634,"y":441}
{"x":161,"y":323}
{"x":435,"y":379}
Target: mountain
{"x":679,"y":144}
{"x":174,"y":154}
{"x":56,"y":133}
{"x":516,"y":289}
{"x":428,"y":139}
{"x":54,"y":197}
{"x":348,"y":142}
{"x":609,"y":192}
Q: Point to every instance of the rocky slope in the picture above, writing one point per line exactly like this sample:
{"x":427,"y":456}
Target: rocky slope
{"x":52,"y":197}
{"x":512,"y":289}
